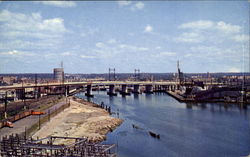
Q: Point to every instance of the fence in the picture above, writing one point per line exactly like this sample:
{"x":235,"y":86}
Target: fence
{"x":45,"y":118}
{"x":42,"y":118}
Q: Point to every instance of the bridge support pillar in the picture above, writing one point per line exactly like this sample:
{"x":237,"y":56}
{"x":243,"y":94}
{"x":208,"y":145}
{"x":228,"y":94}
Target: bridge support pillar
{"x":148,"y":89}
{"x":124,"y":90}
{"x":136,"y":89}
{"x":178,"y":87}
{"x":172,"y":88}
{"x":38,"y":93}
{"x":167,"y":88}
{"x":111,"y":91}
{"x":66,"y":91}
{"x":20,"y":93}
{"x":89,"y":88}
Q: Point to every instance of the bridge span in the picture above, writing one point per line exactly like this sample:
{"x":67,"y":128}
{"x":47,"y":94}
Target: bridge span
{"x":23,"y":91}
{"x":141,"y":83}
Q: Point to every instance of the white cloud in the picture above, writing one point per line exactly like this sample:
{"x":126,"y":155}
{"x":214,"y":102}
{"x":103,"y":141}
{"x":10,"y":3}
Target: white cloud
{"x":210,"y":32}
{"x":220,"y":26}
{"x":87,"y":31}
{"x":142,"y":49}
{"x":30,"y":31}
{"x":157,"y":47}
{"x":138,"y":6}
{"x":164,"y":54}
{"x":227,"y":28}
{"x":190,"y":37}
{"x":62,"y":4}
{"x":83,"y":34}
{"x":131,"y":34}
{"x":22,"y":24}
{"x":123,"y":3}
{"x":66,"y":54}
{"x":201,"y":24}
{"x":148,"y":29}
{"x":133,"y":48}
{"x":167,"y":54}
{"x":234,"y":69}
{"x":111,"y":41}
{"x":212,"y":53}
{"x":188,"y":55}
{"x":241,"y":38}
{"x":100,"y":45}
{"x":16,"y":53}
{"x":53,"y":25}
{"x":50,"y":55}
{"x":203,"y":49}
{"x":133,"y":6}
{"x":206,"y":50}
{"x":85,"y":56}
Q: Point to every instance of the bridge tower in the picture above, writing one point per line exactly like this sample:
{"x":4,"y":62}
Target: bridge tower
{"x":112,"y":76}
{"x":137,"y":75}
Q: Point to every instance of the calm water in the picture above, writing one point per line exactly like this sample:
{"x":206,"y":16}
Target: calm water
{"x":186,"y":130}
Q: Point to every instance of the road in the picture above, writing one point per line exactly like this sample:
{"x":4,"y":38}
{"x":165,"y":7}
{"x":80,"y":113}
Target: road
{"x":20,"y":86}
{"x":27,"y":122}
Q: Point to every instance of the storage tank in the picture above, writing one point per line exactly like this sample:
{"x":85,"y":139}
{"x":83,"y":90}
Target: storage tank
{"x":58,"y":74}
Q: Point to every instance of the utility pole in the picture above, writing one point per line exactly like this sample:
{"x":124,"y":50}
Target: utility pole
{"x":36,"y":94}
{"x":23,"y":96}
{"x":5,"y":105}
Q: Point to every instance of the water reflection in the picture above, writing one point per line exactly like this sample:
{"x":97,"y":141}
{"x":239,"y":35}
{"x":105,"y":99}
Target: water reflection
{"x":89,"y":98}
{"x":203,"y":106}
{"x":225,"y":107}
{"x":213,"y":107}
{"x":124,"y":98}
{"x":111,"y":99}
{"x":189,"y":105}
{"x":136,"y":96}
{"x":148,"y":96}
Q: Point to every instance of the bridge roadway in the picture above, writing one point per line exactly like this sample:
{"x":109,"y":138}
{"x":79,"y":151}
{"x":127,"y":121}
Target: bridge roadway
{"x":20,"y":86}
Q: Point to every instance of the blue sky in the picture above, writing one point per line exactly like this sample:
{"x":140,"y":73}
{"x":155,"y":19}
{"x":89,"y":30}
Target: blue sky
{"x":90,"y":37}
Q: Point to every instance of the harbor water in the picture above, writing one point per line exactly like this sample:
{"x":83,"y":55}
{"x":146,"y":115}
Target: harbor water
{"x":186,"y":129}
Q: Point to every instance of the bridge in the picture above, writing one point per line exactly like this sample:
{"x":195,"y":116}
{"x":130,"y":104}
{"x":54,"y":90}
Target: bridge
{"x":68,"y":88}
{"x":141,"y":83}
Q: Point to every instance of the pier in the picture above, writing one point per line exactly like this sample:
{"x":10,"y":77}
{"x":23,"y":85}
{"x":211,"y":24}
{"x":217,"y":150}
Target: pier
{"x":18,"y":145}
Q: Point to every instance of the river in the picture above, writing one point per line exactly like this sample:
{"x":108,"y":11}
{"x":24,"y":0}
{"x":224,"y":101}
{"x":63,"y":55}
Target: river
{"x":186,"y":129}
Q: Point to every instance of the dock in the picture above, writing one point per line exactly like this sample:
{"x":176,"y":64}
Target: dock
{"x":18,"y":145}
{"x":179,"y":97}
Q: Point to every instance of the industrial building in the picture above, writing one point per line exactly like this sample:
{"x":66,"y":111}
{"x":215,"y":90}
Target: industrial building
{"x":59,"y":74}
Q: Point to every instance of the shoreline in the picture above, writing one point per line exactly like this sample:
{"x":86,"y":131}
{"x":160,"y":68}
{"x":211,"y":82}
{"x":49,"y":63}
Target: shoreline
{"x":81,"y":119}
{"x":190,"y":100}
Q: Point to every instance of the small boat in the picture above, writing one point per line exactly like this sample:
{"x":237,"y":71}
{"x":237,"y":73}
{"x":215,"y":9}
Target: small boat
{"x":136,"y":127}
{"x":154,"y":134}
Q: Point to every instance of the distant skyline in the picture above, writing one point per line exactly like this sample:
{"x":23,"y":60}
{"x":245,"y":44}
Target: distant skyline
{"x":91,"y":36}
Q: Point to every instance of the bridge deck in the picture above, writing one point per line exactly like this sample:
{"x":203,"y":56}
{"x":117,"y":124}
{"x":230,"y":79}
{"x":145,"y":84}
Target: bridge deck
{"x":20,"y":86}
